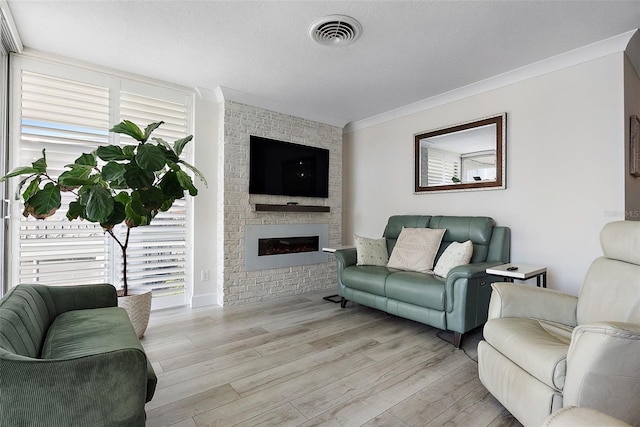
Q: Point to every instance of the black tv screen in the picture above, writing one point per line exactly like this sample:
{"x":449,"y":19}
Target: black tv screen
{"x":287,"y":169}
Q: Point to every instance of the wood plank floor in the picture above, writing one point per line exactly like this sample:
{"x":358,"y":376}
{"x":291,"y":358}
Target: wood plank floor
{"x":304,"y":361}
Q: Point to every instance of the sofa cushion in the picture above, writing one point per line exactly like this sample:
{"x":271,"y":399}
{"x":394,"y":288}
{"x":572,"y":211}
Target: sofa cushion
{"x":454,"y":255}
{"x":367,"y":278}
{"x":396,"y":223}
{"x":416,"y":249}
{"x":518,"y":339}
{"x":424,"y":290}
{"x":371,"y":251}
{"x":462,"y":228}
{"x":81,"y":333}
{"x":24,"y":319}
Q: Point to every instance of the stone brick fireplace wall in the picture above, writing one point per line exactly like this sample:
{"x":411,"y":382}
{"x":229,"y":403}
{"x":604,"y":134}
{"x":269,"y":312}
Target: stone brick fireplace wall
{"x":236,"y":208}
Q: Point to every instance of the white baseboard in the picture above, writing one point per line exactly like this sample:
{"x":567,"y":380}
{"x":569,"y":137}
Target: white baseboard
{"x":204,"y":300}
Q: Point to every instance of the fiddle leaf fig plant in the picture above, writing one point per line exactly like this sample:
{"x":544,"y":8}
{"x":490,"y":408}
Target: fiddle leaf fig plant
{"x":113,"y":184}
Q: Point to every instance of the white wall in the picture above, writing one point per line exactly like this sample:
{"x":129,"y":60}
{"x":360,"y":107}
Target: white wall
{"x":565,"y":167}
{"x":205,"y":204}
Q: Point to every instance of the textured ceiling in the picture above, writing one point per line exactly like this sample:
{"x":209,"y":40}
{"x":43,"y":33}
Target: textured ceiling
{"x":408,"y":51}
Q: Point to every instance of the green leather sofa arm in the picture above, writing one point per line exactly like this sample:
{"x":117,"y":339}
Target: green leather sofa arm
{"x":346,"y":257}
{"x":105,"y":389}
{"x":468,"y":271}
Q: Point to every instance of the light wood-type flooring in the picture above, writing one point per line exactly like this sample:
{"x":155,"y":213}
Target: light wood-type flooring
{"x":304,"y":361}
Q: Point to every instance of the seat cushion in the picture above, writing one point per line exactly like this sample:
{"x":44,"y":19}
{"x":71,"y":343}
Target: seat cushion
{"x":422,"y":289}
{"x":81,"y":333}
{"x":520,"y":339}
{"x":367,"y":278}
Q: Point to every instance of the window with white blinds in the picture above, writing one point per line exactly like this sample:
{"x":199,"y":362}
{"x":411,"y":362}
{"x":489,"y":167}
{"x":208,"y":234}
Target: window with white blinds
{"x":442,"y":166}
{"x":68,"y":117}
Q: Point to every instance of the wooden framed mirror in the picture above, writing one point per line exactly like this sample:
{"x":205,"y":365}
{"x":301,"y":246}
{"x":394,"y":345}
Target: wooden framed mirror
{"x":467,"y":156}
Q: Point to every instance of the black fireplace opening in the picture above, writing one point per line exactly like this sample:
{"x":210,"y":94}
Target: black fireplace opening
{"x":288,"y":245}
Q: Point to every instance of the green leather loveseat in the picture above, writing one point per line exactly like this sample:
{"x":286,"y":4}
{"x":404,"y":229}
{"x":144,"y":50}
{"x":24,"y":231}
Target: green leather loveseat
{"x":458,"y":302}
{"x":70,"y":357}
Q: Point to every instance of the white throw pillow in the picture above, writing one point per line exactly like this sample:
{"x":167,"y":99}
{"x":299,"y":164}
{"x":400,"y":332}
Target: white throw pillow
{"x":456,"y":254}
{"x":371,"y":251}
{"x":415,"y":249}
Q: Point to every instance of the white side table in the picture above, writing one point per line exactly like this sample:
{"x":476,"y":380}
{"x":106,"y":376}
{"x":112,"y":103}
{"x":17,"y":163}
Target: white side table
{"x":332,"y":250}
{"x":523,"y":272}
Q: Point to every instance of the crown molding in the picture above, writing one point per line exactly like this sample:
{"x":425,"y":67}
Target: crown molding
{"x":577,"y":56}
{"x":221,"y":94}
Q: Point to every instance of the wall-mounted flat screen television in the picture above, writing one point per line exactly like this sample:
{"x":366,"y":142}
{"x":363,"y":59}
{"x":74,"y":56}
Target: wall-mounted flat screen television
{"x":287,"y":169}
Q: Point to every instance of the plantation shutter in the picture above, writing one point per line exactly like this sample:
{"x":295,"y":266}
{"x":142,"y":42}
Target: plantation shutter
{"x":157,"y":257}
{"x":68,"y":112}
{"x":442,"y":166}
{"x":65,"y":118}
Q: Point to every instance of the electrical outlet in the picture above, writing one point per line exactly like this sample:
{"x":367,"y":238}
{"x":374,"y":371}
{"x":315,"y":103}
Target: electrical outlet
{"x":204,"y":275}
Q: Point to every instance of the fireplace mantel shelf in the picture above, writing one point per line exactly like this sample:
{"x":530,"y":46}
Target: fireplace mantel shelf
{"x":291,"y":208}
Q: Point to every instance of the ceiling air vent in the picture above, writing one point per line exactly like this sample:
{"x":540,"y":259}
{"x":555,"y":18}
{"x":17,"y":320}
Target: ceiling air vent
{"x":335,"y":30}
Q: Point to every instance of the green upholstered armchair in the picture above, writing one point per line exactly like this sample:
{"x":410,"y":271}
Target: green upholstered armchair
{"x":70,"y":357}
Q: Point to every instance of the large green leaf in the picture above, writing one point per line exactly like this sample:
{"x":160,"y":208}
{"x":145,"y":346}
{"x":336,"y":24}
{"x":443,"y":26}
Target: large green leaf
{"x":86,"y":160}
{"x":171,"y":186}
{"x":113,"y":171}
{"x":122,"y":197}
{"x":129,"y":128}
{"x":99,"y":204}
{"x":129,"y":151}
{"x":32,"y":188}
{"x":137,"y":177}
{"x":152,"y":198}
{"x":40,"y":165}
{"x":150,"y":157}
{"x":22,"y":170}
{"x":185,"y":182}
{"x":196,"y":171}
{"x":137,"y":204}
{"x":110,"y":152}
{"x":75,"y":211}
{"x":136,"y":213}
{"x":45,"y":202}
{"x":150,"y":128}
{"x":179,"y":145}
{"x":76,"y":177}
{"x":116,"y":217}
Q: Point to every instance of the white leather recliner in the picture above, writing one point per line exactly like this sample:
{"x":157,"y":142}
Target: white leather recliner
{"x":544,"y":350}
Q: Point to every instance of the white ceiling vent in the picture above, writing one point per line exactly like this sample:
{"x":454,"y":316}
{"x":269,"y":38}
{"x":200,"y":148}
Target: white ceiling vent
{"x":335,"y":30}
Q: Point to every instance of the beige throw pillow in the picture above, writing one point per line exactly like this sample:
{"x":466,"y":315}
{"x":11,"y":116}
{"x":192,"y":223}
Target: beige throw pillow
{"x":456,"y":254}
{"x":371,"y":251}
{"x":415,"y":249}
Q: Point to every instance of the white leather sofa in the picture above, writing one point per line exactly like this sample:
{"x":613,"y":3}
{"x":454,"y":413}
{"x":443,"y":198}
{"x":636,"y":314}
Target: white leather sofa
{"x":544,"y":350}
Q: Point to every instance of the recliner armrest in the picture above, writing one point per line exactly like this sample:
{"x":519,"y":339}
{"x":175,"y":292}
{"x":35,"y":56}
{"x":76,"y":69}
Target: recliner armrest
{"x":603,"y":369}
{"x":513,"y":300}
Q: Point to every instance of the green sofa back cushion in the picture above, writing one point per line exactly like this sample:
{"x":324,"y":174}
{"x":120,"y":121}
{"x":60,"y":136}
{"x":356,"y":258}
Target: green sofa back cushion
{"x":25,"y":316}
{"x":397,"y":222}
{"x":478,"y":229}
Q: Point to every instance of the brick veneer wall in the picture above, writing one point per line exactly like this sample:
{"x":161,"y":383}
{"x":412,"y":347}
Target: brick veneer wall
{"x":236,"y":208}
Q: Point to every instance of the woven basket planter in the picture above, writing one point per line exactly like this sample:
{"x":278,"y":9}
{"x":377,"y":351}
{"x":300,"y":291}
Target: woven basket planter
{"x":138,"y":306}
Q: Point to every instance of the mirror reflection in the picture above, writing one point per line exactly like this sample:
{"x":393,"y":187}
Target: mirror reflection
{"x":465,"y":156}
